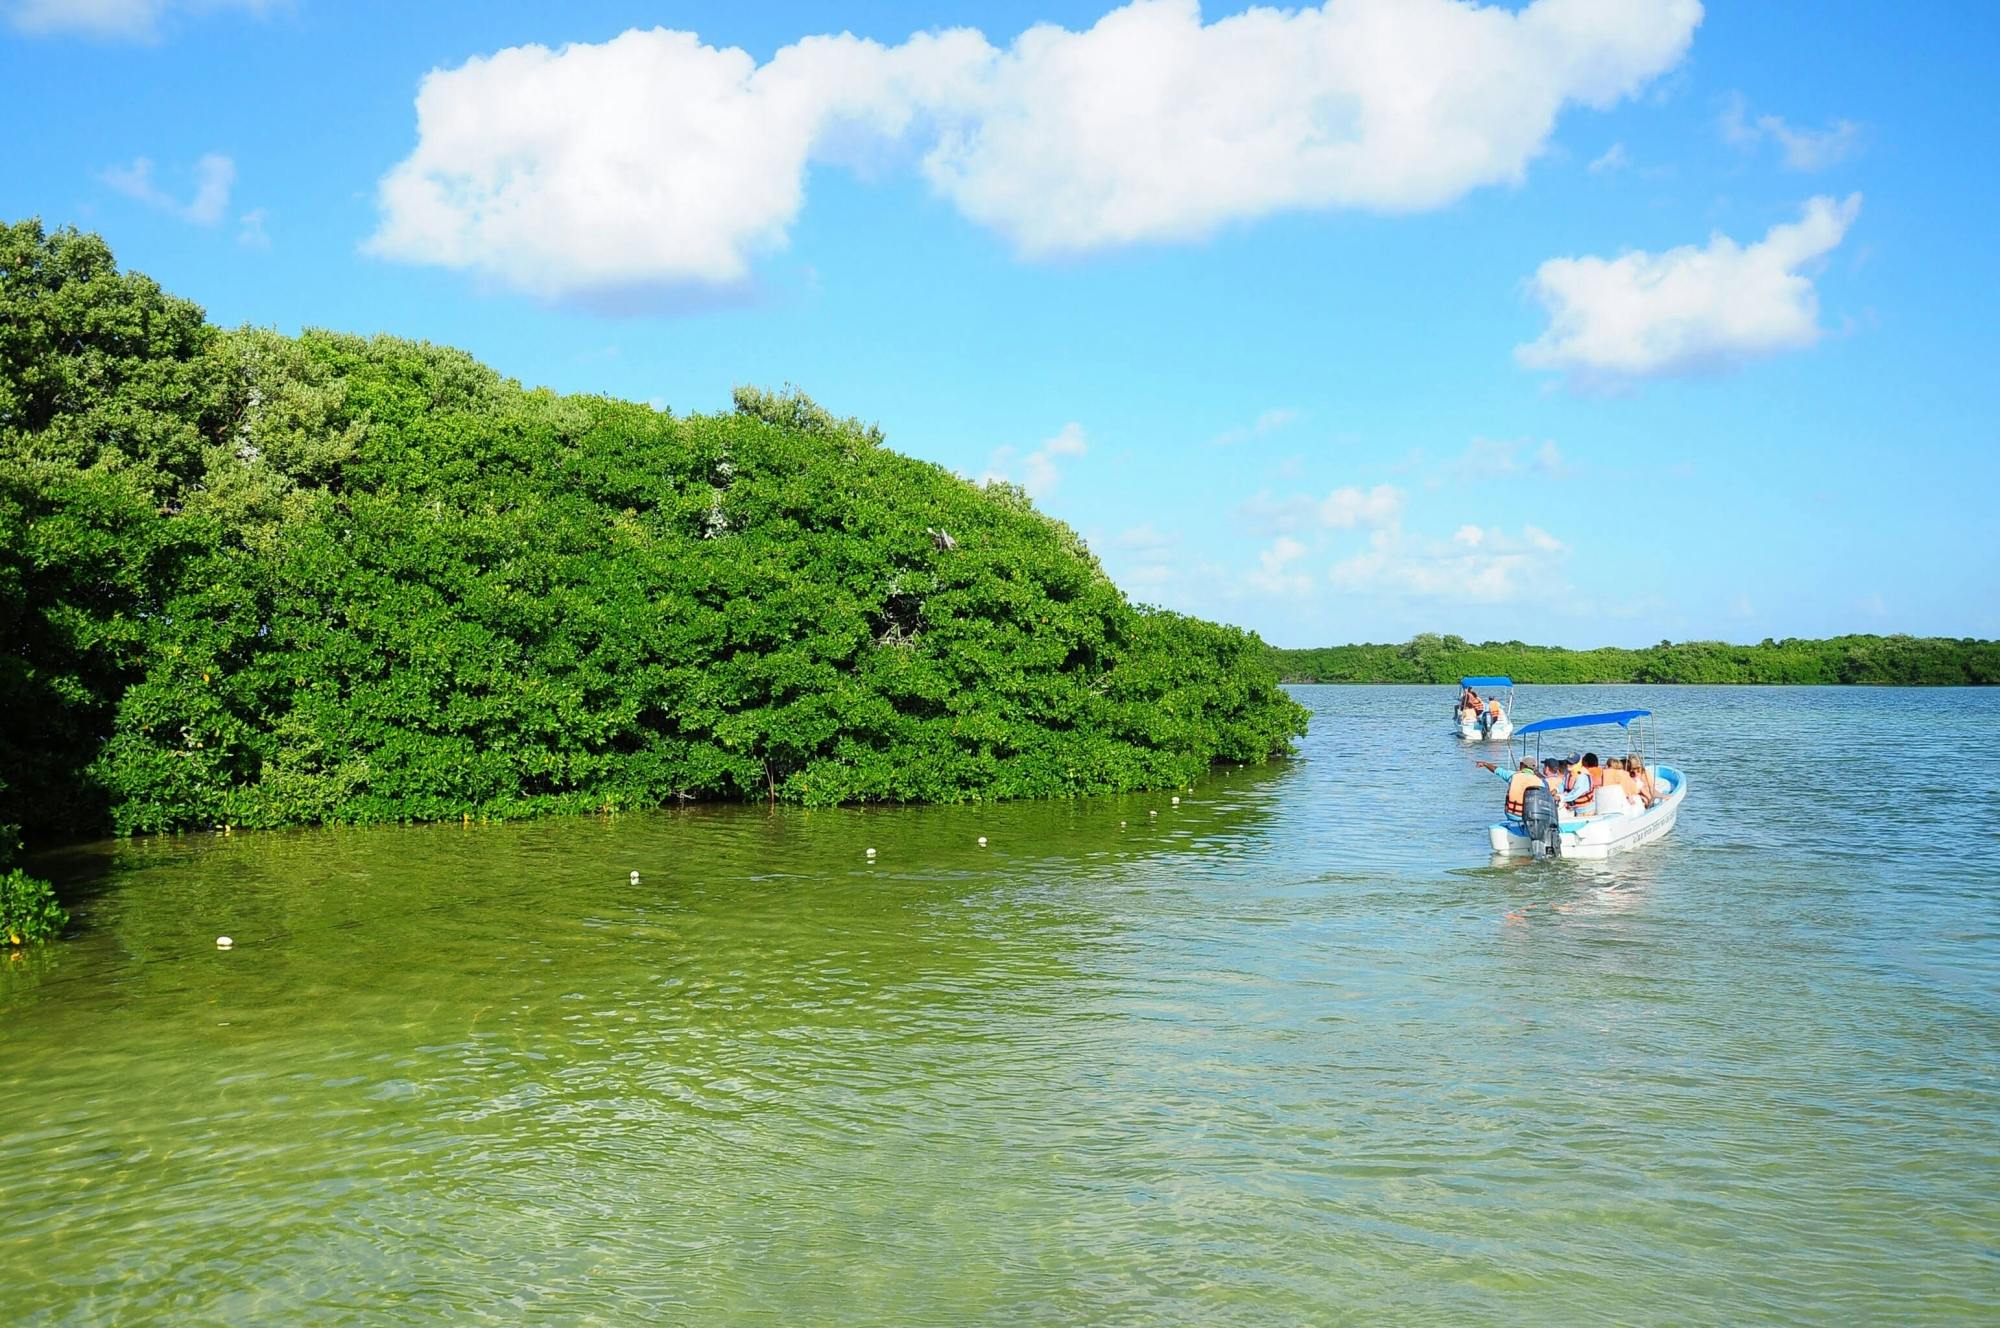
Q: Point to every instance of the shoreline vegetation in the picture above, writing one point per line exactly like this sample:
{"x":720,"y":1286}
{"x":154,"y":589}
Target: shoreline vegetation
{"x":255,"y":580}
{"x":1894,"y":661}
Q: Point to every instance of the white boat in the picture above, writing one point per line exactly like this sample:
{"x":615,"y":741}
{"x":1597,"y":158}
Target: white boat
{"x":1608,"y":832}
{"x":1468,"y":723}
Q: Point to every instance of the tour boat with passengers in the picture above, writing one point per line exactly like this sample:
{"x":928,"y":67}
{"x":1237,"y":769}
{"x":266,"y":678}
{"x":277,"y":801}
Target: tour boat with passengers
{"x":1494,"y":720}
{"x":1545,"y":829}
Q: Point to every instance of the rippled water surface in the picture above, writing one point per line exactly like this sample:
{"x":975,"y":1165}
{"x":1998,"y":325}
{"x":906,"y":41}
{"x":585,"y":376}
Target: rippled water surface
{"x":1293,"y":1051}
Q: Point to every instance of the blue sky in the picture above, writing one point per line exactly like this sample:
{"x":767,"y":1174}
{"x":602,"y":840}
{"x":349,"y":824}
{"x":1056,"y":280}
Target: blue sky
{"x":1579,"y":322}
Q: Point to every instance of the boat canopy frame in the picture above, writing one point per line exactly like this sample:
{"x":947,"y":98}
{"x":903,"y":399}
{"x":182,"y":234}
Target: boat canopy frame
{"x":1642,"y":734}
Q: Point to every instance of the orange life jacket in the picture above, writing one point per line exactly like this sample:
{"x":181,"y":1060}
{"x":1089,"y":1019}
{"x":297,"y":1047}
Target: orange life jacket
{"x":1585,"y":800}
{"x":1493,"y":709}
{"x":1517,"y":790}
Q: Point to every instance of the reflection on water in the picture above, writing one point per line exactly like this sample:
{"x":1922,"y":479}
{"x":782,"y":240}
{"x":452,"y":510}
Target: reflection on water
{"x":1292,"y":1051}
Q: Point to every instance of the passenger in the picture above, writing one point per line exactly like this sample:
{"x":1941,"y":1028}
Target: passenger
{"x":1468,"y":706}
{"x":1494,"y":714}
{"x":1642,"y":780}
{"x":1519,"y":781}
{"x":1578,"y":794}
{"x":1616,"y":794}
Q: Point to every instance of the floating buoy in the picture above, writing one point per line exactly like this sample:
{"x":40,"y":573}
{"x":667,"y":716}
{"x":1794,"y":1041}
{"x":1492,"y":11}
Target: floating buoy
{"x":1177,"y":800}
{"x":871,"y":852}
{"x":223,"y":942}
{"x":635,"y":878}
{"x":982,"y":841}
{"x":1121,"y":825}
{"x":1152,"y":813}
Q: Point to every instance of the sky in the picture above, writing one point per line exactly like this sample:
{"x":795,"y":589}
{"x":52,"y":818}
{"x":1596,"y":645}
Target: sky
{"x":1578,"y":321}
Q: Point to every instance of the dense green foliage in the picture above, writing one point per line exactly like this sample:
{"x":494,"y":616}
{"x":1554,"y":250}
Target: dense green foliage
{"x":257,"y":580}
{"x":1904,"y":660}
{"x":28,"y":909}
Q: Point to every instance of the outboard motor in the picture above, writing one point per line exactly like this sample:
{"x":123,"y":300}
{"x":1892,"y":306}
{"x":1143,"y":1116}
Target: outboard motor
{"x":1538,"y":818}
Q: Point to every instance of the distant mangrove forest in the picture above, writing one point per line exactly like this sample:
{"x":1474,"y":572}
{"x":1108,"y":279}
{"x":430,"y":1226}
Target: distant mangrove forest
{"x":1907,"y":661}
{"x":248,"y":579}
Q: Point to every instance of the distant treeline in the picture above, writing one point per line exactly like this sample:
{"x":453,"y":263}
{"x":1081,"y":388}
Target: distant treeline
{"x":1904,"y":661}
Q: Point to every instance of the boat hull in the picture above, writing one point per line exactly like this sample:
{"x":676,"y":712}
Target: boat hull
{"x":1598,"y":837}
{"x":1498,"y":733}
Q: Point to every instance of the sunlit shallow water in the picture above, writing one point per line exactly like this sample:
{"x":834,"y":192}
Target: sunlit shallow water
{"x":1293,"y":1051}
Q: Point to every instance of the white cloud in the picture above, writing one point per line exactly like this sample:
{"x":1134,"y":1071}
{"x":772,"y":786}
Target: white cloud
{"x":650,"y":158}
{"x":1146,"y":539}
{"x":214,"y":177}
{"x":653,"y":159}
{"x":1274,"y":574}
{"x":1268,"y":422}
{"x":1343,"y":509}
{"x":1687,"y":310}
{"x":1040,"y":473}
{"x":131,"y":20}
{"x":250,"y":230}
{"x":1487,"y":459}
{"x":1803,"y":149}
{"x":1476,"y":565}
{"x":1612,"y":159}
{"x":1152,"y":125}
{"x":1143,"y":559}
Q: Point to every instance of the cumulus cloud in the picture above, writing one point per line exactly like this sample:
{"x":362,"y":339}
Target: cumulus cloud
{"x":1268,"y":422}
{"x":1613,"y":158}
{"x":214,"y":177}
{"x":1688,"y":310}
{"x":1346,"y":508}
{"x":653,"y":158}
{"x":1343,"y":509}
{"x":1039,"y":469}
{"x":1274,"y":573}
{"x":1152,"y":125}
{"x":1142,"y":559}
{"x":1487,"y":459}
{"x":1803,"y":149}
{"x":250,"y":231}
{"x":650,"y":158}
{"x":129,"y":20}
{"x":1481,"y":565}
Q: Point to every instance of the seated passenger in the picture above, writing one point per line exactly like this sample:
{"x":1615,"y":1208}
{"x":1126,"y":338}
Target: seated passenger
{"x":1578,"y":795}
{"x":1642,"y":779}
{"x":1615,"y":796}
{"x":1494,"y":714}
{"x":1519,"y":781}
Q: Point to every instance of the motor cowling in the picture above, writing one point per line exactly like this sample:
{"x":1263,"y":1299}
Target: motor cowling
{"x":1538,"y":819}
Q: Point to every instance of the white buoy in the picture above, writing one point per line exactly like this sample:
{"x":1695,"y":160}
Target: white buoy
{"x":1177,"y":801}
{"x":871,"y":852}
{"x":1152,"y":813}
{"x":635,"y":878}
{"x":982,"y":841}
{"x":223,"y":942}
{"x":1121,"y":825}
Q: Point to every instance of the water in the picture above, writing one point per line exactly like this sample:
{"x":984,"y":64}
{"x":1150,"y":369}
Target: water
{"x":1293,"y":1051}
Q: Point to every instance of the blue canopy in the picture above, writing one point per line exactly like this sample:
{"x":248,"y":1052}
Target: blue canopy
{"x":1485,"y":682}
{"x":1618,"y":717}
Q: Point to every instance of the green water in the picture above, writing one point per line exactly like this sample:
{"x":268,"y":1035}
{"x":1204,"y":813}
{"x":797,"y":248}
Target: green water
{"x":1291,"y":1052}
